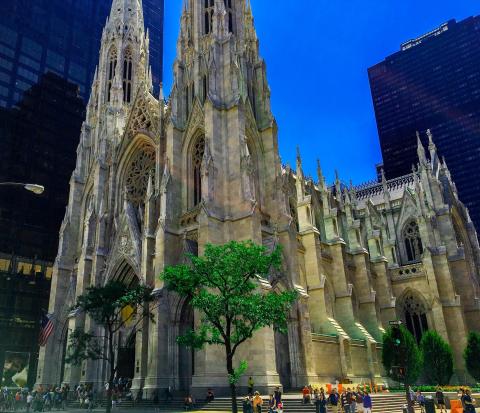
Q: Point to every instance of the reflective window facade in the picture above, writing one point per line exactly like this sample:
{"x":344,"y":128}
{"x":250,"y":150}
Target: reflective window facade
{"x":61,"y":36}
{"x":433,"y":83}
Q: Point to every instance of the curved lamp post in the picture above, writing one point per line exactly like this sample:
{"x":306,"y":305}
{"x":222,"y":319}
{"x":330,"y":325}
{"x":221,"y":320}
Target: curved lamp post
{"x":36,"y":189}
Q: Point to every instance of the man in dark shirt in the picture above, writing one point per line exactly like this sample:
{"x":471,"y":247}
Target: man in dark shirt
{"x":468,"y":402}
{"x":333,"y":399}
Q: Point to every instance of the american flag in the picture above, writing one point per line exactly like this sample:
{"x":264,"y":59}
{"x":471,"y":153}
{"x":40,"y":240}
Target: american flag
{"x":46,"y":328}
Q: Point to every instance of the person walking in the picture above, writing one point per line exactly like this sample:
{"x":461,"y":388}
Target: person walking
{"x":251,"y":383}
{"x":247,"y":405}
{"x":345,"y":401}
{"x":257,"y":403}
{"x":29,"y":402}
{"x":320,"y":403}
{"x":278,"y":395}
{"x":468,"y":402}
{"x":367,"y":403}
{"x":440,"y":400}
{"x":359,"y":399}
{"x":352,"y":400}
{"x":306,"y":395}
{"x":333,"y":400}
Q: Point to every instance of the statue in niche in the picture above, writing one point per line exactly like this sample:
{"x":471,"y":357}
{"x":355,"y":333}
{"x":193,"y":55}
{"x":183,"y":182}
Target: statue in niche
{"x":248,"y":172}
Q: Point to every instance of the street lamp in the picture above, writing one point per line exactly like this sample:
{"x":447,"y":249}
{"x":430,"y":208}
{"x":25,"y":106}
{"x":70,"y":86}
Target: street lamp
{"x":36,"y":189}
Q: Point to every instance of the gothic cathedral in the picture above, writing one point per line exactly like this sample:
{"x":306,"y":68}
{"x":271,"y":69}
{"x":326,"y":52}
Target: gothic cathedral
{"x":156,"y":178}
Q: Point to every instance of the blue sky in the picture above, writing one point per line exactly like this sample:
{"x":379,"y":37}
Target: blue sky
{"x":317,"y":57}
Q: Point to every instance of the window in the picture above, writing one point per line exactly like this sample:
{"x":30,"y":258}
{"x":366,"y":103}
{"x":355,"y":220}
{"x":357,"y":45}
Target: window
{"x":31,"y":48}
{"x":229,"y":9}
{"x":112,"y":65}
{"x":8,"y":36}
{"x":55,"y":60}
{"x":27,"y":74}
{"x":197,"y":159}
{"x":127,"y":76}
{"x":208,"y":15}
{"x":413,"y":242}
{"x":415,"y":316}
{"x":142,"y":166}
{"x":77,"y":72}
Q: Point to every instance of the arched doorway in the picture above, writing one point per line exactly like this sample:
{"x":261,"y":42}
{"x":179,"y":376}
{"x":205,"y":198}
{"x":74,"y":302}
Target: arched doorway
{"x":186,"y":356}
{"x":125,"y":340}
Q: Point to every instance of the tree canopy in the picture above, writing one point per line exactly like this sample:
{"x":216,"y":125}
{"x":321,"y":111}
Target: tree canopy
{"x":112,"y":307}
{"x":227,"y":287}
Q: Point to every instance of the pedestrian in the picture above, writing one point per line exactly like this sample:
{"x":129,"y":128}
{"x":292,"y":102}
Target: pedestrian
{"x":367,"y":403}
{"x":440,"y":400}
{"x":257,"y":403}
{"x":247,"y":405}
{"x":272,"y":405}
{"x":29,"y":401}
{"x":168,"y":394}
{"x":251,"y":383}
{"x":188,"y":403}
{"x":421,"y":401}
{"x":280,"y":407}
{"x":359,"y":399}
{"x":333,"y":400}
{"x":345,"y":401}
{"x":352,"y":400}
{"x":468,"y":402}
{"x":320,"y":403}
{"x":306,"y":395}
{"x":278,"y":395}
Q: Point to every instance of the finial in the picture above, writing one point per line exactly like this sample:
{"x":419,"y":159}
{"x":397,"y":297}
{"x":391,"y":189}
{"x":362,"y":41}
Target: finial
{"x":420,"y":150}
{"x":319,"y":173}
{"x":299,"y":156}
{"x":431,"y":144}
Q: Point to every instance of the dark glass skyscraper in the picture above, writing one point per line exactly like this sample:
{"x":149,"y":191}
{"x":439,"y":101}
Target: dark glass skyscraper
{"x":61,"y":36}
{"x":433,"y":83}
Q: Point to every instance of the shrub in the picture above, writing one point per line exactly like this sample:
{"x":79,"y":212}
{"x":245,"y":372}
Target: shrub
{"x":437,"y":358}
{"x":472,"y":355}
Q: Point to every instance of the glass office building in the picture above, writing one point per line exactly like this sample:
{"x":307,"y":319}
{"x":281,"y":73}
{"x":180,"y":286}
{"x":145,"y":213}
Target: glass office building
{"x":433,"y":82}
{"x":63,"y":37}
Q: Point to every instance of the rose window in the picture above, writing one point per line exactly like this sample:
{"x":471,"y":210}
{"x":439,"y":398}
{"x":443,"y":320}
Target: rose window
{"x":141,"y":167}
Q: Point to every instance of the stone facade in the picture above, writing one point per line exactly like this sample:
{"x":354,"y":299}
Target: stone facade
{"x":155,"y":179}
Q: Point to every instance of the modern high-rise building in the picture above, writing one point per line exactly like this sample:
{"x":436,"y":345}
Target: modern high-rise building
{"x":61,"y":36}
{"x":48,"y":55}
{"x":433,"y":83}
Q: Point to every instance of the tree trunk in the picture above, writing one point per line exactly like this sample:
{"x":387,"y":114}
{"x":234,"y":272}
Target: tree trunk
{"x":233,"y":387}
{"x":111,"y":355}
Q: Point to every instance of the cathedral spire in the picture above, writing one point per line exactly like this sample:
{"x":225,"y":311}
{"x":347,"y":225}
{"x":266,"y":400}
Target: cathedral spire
{"x":421,"y":150}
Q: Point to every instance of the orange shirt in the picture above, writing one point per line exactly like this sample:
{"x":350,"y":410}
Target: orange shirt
{"x":257,"y":401}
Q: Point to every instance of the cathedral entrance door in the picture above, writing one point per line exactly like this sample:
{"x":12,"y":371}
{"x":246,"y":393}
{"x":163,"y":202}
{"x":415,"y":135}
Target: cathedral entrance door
{"x":126,"y":359}
{"x":282,"y":355}
{"x":186,"y":362}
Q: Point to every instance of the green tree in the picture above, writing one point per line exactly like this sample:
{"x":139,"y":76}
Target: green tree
{"x":437,"y":358}
{"x":472,"y":355}
{"x":400,"y":351}
{"x":225,"y":287}
{"x":111,"y":307}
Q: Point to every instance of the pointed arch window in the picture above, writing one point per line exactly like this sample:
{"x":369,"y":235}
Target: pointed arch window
{"x":415,"y":316}
{"x":229,"y":9}
{"x":197,"y":159}
{"x":127,"y":76}
{"x":209,"y":7}
{"x":413,"y":242}
{"x":112,"y":66}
